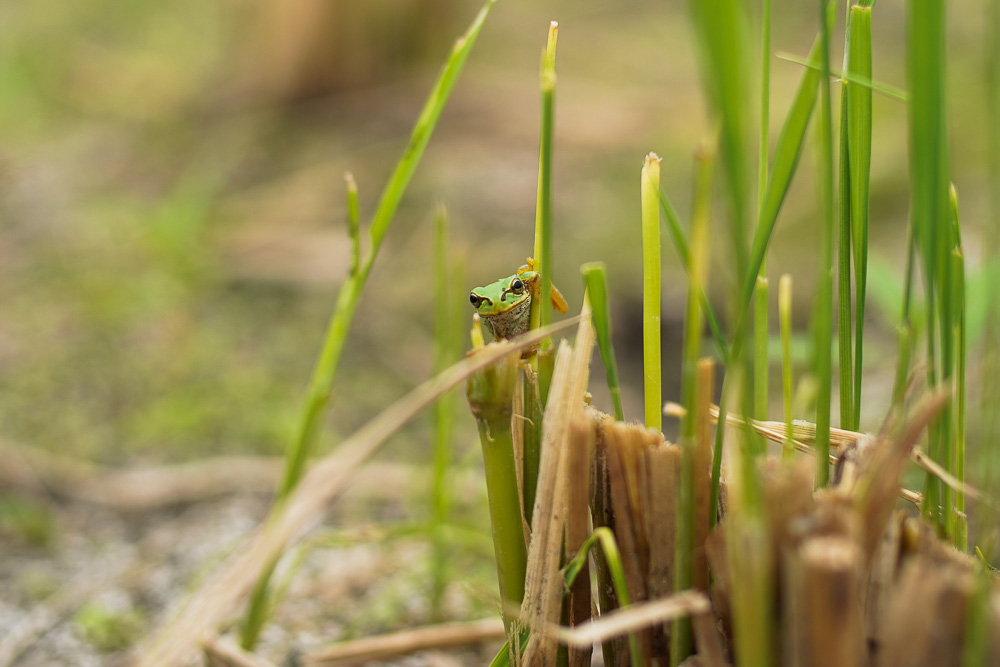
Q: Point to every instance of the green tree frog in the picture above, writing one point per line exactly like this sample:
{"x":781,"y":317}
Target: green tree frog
{"x":505,"y":305}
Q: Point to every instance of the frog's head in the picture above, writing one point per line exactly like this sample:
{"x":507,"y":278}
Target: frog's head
{"x":501,"y":296}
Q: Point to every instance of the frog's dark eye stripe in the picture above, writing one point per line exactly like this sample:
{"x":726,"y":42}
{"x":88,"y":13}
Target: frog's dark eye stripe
{"x":477,"y":300}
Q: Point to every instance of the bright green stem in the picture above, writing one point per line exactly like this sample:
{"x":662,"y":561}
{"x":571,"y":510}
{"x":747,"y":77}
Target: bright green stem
{"x":323,"y":373}
{"x":824,"y":302}
{"x":595,"y":280}
{"x":760,"y":336}
{"x":785,"y":323}
{"x":859,"y":131}
{"x":845,"y":355}
{"x":650,"y":195}
{"x":532,"y":444}
{"x":543,"y":209}
{"x":490,"y":393}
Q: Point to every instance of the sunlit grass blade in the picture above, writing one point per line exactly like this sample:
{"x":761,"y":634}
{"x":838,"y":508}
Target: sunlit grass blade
{"x":650,"y":201}
{"x":324,"y":371}
{"x":859,"y":132}
{"x":595,"y":281}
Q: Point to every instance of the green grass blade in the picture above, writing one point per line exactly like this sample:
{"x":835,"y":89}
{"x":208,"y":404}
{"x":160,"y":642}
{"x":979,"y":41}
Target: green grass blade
{"x":824,"y":300}
{"x":543,"y":209}
{"x":929,"y":173}
{"x":353,"y":222}
{"x":844,"y":353}
{"x":960,"y":534}
{"x":859,"y":130}
{"x":884,"y":89}
{"x":650,"y":196}
{"x":783,"y":164}
{"x":324,"y":371}
{"x":595,"y":281}
{"x":785,"y":320}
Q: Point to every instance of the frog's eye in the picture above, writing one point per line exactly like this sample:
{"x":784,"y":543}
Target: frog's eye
{"x":516,"y":286}
{"x":474,"y":300}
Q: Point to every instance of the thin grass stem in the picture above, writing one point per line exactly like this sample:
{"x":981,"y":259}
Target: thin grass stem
{"x":650,"y":196}
{"x":824,"y":301}
{"x":595,"y":281}
{"x":785,"y":324}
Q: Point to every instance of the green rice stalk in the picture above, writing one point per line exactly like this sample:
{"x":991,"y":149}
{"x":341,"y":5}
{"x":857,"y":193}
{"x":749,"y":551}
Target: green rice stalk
{"x":824,"y":301}
{"x":650,"y":195}
{"x":684,"y":253}
{"x":785,"y":324}
{"x":845,"y":355}
{"x":446,"y":351}
{"x":681,"y":636}
{"x":595,"y":281}
{"x":347,"y":300}
{"x":929,"y":169}
{"x":859,"y":131}
{"x":490,"y":393}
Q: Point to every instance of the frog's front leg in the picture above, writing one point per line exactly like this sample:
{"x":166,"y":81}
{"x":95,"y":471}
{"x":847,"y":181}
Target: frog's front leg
{"x":533,"y":280}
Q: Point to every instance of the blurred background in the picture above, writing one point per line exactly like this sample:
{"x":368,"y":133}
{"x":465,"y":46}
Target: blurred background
{"x":173,"y":236}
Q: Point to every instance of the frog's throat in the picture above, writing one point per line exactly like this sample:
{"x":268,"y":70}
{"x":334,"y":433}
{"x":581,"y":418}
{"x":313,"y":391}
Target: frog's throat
{"x":510,"y":323}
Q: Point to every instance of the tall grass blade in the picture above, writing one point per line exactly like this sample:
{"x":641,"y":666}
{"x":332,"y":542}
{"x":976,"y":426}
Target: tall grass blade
{"x":859,"y":131}
{"x":845,"y":354}
{"x":324,"y":371}
{"x":650,"y":202}
{"x":824,"y":301}
{"x":760,"y":363}
{"x":595,"y":281}
{"x":929,"y":205}
{"x":957,"y":458}
{"x":543,"y":207}
{"x":785,"y":325}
